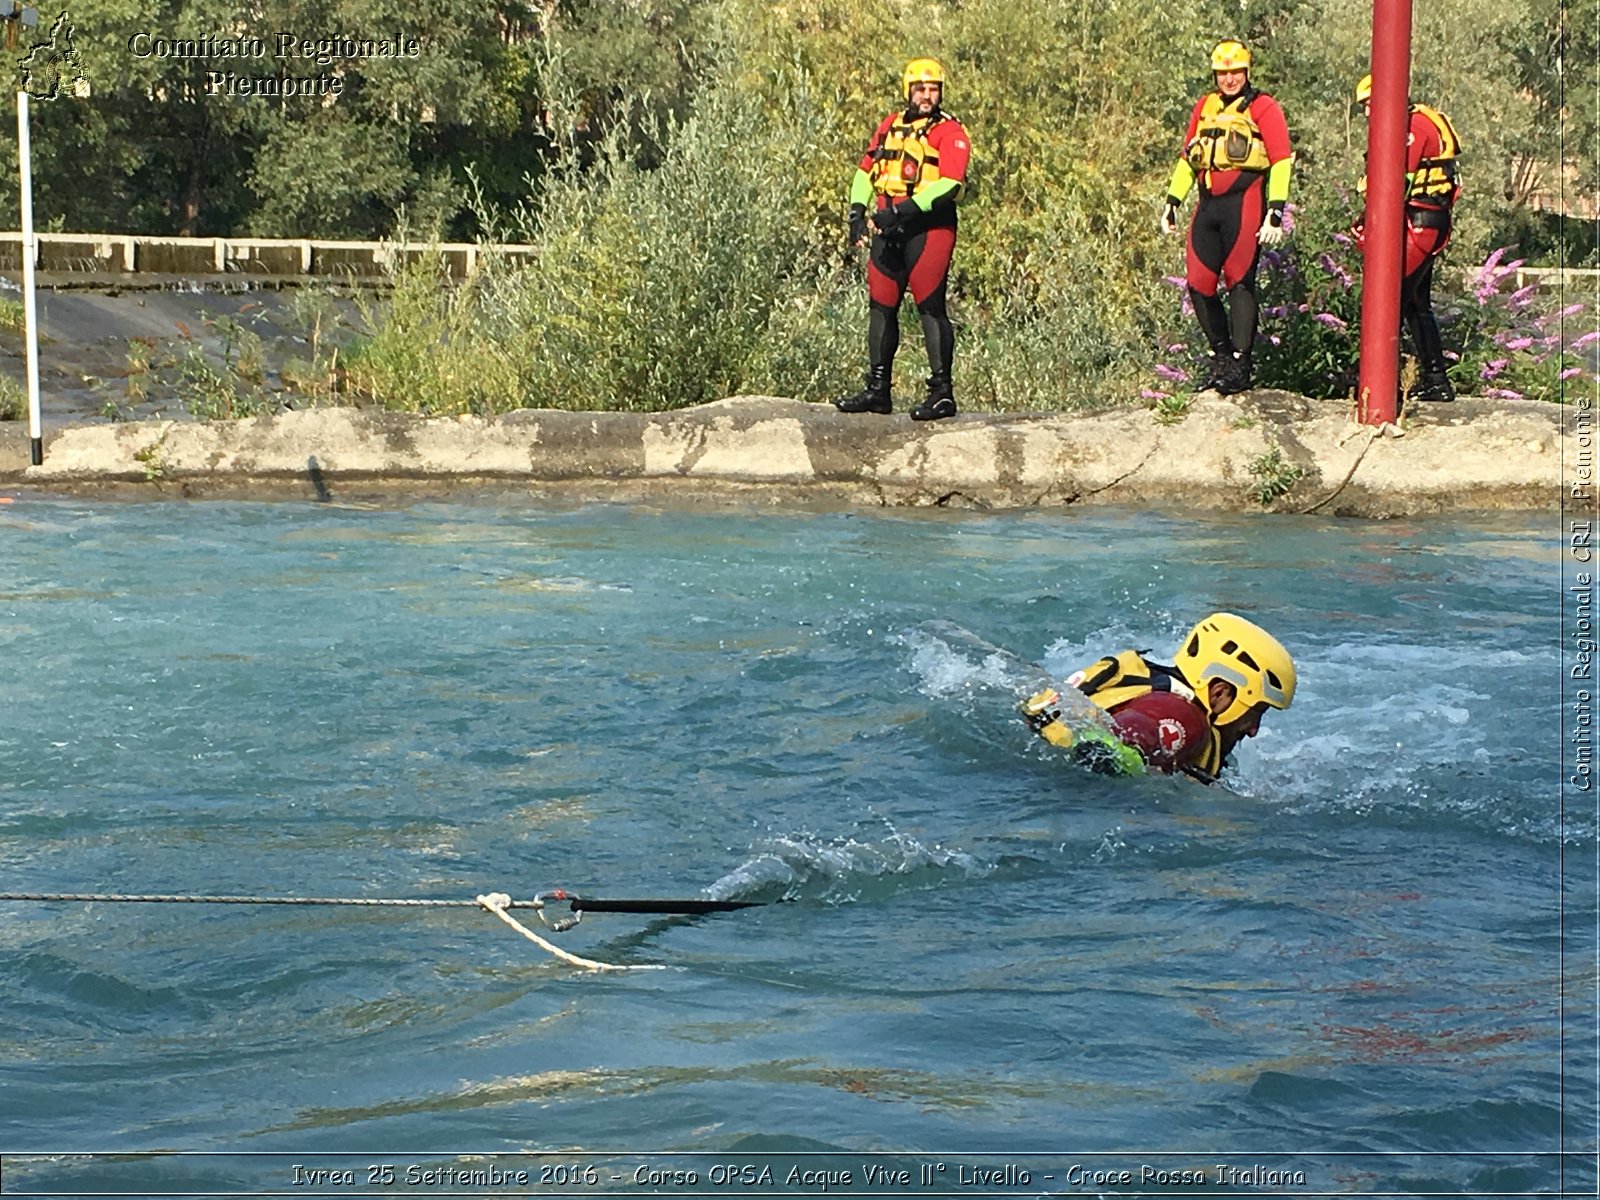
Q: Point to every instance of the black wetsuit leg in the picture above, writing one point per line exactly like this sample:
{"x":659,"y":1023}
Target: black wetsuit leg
{"x":1416,"y":306}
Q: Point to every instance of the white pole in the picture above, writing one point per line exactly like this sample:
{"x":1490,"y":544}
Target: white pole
{"x":30,"y":251}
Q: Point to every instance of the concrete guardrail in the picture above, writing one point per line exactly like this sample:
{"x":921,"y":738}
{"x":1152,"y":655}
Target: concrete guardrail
{"x":130,"y":254}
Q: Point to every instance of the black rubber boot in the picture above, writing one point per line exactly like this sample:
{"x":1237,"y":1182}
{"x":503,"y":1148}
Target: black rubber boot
{"x":1433,"y":386}
{"x":874,"y":398}
{"x":1236,"y":375}
{"x":1212,"y":317}
{"x":940,"y":402}
{"x":1219,"y":370}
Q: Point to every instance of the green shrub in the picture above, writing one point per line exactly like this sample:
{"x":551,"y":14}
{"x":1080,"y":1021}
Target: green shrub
{"x":428,"y":349}
{"x":13,"y":399}
{"x":1275,"y":477}
{"x":656,"y":289}
{"x":230,"y":386}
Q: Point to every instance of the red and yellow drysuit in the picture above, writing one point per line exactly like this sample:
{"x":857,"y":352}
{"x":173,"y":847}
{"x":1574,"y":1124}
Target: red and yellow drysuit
{"x":1238,"y":151}
{"x":1432,"y":186}
{"x":917,"y":167}
{"x":1154,"y":710}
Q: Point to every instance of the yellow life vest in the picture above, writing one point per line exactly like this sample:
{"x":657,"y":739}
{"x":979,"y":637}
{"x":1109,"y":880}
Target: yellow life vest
{"x":1227,"y":137}
{"x":904,"y":161}
{"x":1435,"y":179}
{"x":1117,"y":679}
{"x":1436,"y":182}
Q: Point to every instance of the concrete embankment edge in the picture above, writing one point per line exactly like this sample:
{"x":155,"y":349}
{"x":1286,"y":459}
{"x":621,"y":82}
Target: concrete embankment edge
{"x":1472,"y":455}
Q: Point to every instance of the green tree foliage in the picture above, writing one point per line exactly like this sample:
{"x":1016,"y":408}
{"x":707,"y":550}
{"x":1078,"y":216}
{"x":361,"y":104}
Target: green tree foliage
{"x":629,"y":62}
{"x":1466,"y":57}
{"x":162,"y":147}
{"x":681,"y":166}
{"x":1071,"y":103}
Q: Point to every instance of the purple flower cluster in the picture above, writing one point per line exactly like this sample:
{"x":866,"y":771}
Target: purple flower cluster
{"x":1334,"y":271}
{"x":1525,"y":345}
{"x":1493,"y":273}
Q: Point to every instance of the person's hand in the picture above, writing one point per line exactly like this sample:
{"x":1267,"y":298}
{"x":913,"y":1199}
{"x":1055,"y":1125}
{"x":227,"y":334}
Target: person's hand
{"x":1358,"y":234}
{"x":889,"y":220}
{"x":1272,"y":232}
{"x":1169,"y":215}
{"x":859,"y":230}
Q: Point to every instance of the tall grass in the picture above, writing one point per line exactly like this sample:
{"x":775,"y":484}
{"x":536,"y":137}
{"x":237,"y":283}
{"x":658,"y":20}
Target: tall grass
{"x":657,"y":288}
{"x":429,"y":348}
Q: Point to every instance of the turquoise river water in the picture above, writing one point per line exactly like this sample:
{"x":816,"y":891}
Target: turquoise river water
{"x":1364,"y":966}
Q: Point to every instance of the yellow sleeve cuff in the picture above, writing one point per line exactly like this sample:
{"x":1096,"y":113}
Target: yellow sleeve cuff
{"x":1278,"y":180}
{"x":861,"y":189}
{"x":925,"y":197}
{"x":1182,"y":180}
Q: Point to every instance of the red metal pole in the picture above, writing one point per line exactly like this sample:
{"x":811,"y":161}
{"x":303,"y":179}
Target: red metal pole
{"x":1386,"y":169}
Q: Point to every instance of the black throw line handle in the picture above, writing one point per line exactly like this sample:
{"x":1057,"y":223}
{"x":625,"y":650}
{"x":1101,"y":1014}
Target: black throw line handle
{"x":678,"y":907}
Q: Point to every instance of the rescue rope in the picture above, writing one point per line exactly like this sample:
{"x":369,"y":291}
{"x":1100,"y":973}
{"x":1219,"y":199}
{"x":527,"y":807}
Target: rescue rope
{"x":1372,"y":436}
{"x":497,"y":903}
{"x":349,"y":901}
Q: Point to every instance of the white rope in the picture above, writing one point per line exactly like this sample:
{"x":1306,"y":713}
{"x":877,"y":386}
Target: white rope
{"x":498,"y":902}
{"x":348,"y":901}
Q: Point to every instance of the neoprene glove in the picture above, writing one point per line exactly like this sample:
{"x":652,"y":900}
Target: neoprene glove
{"x":1272,"y":231}
{"x":1169,"y":215}
{"x":859,"y":232}
{"x":890,"y":220}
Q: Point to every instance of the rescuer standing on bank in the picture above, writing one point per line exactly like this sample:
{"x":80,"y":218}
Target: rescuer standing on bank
{"x":909,"y":179}
{"x":1237,"y":148}
{"x":1432,"y":186}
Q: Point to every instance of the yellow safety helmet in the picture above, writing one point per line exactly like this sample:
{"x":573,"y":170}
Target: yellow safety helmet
{"x":1226,"y":647}
{"x":1364,"y":89}
{"x":1230,"y":55}
{"x":922,"y":70}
